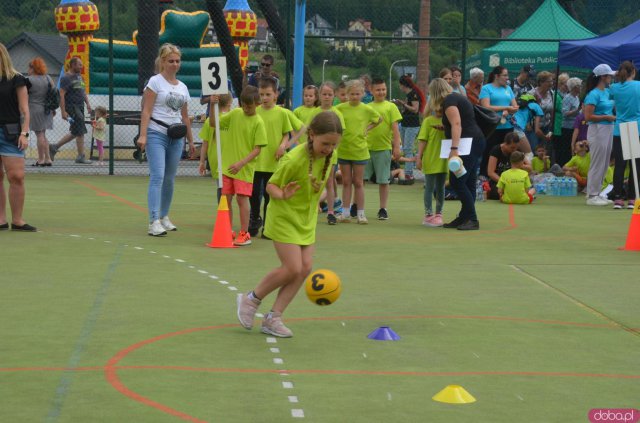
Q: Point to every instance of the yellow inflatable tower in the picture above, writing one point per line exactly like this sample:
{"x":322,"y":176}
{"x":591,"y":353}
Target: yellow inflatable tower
{"x":243,"y":26}
{"x":78,"y":20}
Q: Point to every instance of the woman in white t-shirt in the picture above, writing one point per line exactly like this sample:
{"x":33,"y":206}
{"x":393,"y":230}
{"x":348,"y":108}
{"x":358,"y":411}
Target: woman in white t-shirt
{"x":164,"y":102}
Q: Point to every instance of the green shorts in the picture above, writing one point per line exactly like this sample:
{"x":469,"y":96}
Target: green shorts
{"x":380,"y":165}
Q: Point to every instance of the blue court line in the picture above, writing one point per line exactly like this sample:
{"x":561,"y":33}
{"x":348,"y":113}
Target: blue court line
{"x":85,"y":335}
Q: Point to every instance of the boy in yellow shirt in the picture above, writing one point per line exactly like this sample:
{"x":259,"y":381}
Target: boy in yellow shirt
{"x":277,"y":124}
{"x":383,"y":142}
{"x":514,"y":185}
{"x":242,"y":135}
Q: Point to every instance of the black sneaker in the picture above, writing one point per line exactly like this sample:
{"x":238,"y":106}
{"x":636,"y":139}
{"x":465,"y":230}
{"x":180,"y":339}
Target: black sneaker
{"x":354,"y":210}
{"x":331,"y":219}
{"x":382,"y":214}
{"x":469,"y":225}
{"x":254,"y":226}
{"x":454,"y":223}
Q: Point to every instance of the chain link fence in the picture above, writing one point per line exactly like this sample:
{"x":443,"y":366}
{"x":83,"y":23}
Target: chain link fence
{"x":344,"y":40}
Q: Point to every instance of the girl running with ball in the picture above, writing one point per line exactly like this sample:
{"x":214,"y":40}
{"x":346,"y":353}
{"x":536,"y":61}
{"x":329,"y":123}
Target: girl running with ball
{"x":292,"y":214}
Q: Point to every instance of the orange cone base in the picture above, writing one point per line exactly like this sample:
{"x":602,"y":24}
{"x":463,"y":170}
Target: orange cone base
{"x":633,"y":238}
{"x":222,"y":237}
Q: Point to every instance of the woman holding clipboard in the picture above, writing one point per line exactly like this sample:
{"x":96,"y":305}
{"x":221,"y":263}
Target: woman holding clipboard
{"x":459,"y":122}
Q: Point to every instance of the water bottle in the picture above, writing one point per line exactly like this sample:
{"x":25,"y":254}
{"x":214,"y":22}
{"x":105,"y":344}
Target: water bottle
{"x":574,"y":187}
{"x":563,"y":187}
{"x":69,"y":119}
{"x":554,"y":186}
{"x":456,"y":166}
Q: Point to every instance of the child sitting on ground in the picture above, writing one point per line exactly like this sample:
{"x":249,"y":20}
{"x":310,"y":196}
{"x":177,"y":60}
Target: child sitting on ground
{"x":541,"y":162}
{"x":514,"y":185}
{"x":578,"y":166}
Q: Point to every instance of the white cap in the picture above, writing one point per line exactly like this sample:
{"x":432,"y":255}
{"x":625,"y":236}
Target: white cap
{"x":603,"y":69}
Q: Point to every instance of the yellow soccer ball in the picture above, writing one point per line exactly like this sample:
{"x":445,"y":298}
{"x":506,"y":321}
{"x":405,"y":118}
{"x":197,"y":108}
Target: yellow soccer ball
{"x":323,"y":287}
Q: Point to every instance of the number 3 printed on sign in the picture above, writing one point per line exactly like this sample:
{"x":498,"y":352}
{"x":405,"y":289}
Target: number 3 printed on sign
{"x":215,"y":73}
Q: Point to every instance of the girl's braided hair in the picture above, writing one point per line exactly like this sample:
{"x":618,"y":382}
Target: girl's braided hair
{"x":323,"y":123}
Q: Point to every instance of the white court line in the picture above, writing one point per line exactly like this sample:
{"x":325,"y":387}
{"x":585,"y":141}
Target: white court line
{"x":278,"y":361}
{"x":293,"y":399}
{"x":287,"y":385}
{"x":274,"y":350}
{"x":296,"y":412}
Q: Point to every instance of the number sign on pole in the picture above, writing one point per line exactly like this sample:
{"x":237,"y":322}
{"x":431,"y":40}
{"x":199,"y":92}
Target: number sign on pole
{"x":213,"y":71}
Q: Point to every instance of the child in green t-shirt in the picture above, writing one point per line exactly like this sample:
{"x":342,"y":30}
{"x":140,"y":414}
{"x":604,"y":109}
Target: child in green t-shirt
{"x":384,"y":143}
{"x":514,"y":186}
{"x":208,"y":150}
{"x":541,"y":162}
{"x":295,"y":189}
{"x":242,"y":135}
{"x":308,"y":110}
{"x":327,"y":96}
{"x":434,"y":168}
{"x":278,"y":126}
{"x":578,"y":166}
{"x":353,"y":152}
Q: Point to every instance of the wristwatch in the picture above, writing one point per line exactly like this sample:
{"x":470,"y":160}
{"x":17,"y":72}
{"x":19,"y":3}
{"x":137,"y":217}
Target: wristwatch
{"x":25,"y":134}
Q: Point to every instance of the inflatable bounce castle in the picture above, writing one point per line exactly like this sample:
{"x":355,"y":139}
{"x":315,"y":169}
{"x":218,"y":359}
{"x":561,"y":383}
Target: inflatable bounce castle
{"x":79,"y":20}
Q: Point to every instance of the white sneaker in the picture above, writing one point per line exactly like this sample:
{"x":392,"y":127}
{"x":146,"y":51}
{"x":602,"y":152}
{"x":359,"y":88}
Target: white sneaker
{"x":362,"y":220}
{"x":167,"y":225}
{"x":156,"y":229}
{"x":597,"y":201}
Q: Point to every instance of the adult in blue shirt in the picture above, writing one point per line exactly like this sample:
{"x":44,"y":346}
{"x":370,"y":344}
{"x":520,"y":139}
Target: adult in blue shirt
{"x":498,"y":96}
{"x":626,"y":94}
{"x":598,"y":112}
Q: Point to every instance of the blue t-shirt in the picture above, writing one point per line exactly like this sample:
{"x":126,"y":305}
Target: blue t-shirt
{"x":498,"y":96}
{"x":522,"y":116}
{"x":626,"y":96}
{"x":601,"y":99}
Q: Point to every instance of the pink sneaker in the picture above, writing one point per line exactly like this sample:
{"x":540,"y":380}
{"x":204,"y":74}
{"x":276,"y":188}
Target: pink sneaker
{"x":247,"y":309}
{"x":437,"y":220}
{"x":428,"y":219}
{"x":272,"y":325}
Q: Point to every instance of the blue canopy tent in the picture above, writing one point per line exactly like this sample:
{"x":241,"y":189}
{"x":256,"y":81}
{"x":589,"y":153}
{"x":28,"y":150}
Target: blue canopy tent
{"x":611,"y":49}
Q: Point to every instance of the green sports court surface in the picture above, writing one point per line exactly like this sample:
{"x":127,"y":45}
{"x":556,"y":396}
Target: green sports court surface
{"x":536,"y":315}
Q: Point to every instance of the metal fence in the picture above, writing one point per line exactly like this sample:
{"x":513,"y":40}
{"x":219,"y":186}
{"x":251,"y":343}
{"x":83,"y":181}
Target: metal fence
{"x":344,"y":40}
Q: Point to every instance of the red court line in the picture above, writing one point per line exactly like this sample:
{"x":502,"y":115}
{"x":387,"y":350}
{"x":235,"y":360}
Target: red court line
{"x":451,"y":317}
{"x":102,"y":193}
{"x":51,"y":369}
{"x":377,"y":372}
{"x":110,"y":372}
{"x":512,"y":217}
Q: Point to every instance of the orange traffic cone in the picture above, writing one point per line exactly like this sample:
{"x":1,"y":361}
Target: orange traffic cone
{"x":633,"y":238}
{"x":222,"y":237}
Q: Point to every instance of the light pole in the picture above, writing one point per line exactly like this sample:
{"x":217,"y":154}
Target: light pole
{"x":390,"y":69}
{"x":324,"y":62}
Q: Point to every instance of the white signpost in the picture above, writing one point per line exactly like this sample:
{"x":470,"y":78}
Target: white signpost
{"x":213,"y":72}
{"x":631,"y":147}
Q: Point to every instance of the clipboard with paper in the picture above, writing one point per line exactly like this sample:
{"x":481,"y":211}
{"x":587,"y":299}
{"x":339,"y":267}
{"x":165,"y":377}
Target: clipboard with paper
{"x":464,"y":148}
